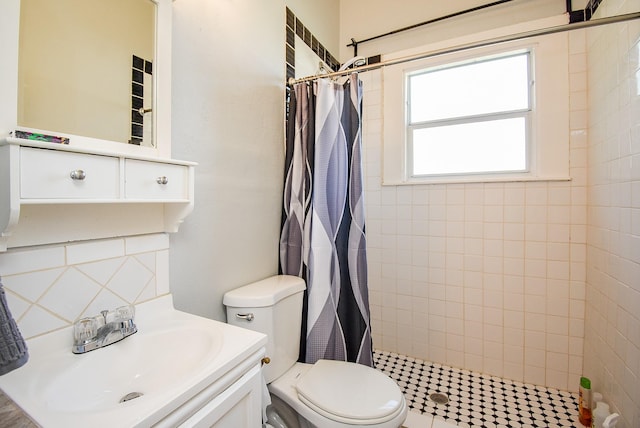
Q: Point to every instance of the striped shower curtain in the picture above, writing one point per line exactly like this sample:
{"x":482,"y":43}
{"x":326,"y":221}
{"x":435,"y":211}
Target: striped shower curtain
{"x":323,"y":233}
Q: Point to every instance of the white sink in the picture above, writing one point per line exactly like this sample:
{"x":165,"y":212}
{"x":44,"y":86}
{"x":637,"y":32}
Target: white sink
{"x":151,"y":361}
{"x":171,"y":358}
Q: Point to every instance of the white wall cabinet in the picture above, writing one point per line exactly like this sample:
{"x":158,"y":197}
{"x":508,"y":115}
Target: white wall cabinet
{"x":55,"y":175}
{"x":55,"y":193}
{"x":145,"y":180}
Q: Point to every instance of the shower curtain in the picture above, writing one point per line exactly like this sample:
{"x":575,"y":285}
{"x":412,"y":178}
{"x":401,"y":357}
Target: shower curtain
{"x":323,"y":232}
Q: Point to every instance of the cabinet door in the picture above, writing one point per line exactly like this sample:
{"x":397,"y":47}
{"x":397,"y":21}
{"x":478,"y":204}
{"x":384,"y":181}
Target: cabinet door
{"x":145,"y":180}
{"x":238,"y":406}
{"x":54,"y":175}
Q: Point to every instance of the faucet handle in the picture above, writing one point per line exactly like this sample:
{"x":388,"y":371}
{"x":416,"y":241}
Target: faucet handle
{"x":124,"y":313}
{"x":85,"y":329}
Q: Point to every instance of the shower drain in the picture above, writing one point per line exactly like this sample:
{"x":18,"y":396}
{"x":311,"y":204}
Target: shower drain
{"x":439,"y":398}
{"x":131,"y":396}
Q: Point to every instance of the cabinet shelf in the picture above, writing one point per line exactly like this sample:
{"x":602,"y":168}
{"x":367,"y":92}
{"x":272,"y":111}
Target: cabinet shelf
{"x":74,"y":185}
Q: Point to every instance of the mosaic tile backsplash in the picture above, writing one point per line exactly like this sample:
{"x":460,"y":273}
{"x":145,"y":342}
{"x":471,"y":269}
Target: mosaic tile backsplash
{"x":50,"y":287}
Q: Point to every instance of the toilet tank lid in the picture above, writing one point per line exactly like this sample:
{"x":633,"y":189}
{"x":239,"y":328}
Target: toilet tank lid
{"x":266,"y":292}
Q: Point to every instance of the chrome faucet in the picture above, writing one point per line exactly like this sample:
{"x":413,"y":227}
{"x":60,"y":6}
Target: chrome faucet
{"x":103,"y":330}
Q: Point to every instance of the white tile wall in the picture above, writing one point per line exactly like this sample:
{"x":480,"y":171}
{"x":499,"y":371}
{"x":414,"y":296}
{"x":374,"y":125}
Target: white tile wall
{"x":487,"y":277}
{"x":48,"y":288}
{"x":612,"y":328}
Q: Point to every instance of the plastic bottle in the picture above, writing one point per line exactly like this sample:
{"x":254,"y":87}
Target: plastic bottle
{"x":600,"y":413}
{"x":584,"y":403}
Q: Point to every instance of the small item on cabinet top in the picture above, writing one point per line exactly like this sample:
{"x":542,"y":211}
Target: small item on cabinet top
{"x":34,"y":136}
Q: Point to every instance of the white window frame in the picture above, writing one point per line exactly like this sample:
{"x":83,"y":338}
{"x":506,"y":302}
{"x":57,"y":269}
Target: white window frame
{"x":548,"y":151}
{"x":525,"y":113}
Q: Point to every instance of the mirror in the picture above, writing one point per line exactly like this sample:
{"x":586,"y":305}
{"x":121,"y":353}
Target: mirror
{"x":86,"y":67}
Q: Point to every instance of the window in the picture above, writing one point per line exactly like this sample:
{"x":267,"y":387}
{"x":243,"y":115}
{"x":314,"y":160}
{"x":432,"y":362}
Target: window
{"x":496,"y":113}
{"x":470,"y":117}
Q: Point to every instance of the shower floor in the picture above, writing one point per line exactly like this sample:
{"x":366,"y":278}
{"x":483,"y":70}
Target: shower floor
{"x":477,"y":400}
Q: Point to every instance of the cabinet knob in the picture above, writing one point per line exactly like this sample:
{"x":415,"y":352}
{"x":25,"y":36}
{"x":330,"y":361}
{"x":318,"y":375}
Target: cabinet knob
{"x":78,"y":174}
{"x":162,"y":180}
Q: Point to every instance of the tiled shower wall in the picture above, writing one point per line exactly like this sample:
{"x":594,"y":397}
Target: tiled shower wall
{"x":49,"y":287}
{"x":486,"y":277}
{"x":612,"y":336}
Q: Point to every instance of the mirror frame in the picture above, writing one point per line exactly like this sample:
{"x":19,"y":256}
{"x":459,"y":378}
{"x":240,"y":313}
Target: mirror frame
{"x":10,"y":33}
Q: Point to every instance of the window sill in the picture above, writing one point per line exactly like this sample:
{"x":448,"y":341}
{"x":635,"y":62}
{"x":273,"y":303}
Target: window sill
{"x":470,"y":179}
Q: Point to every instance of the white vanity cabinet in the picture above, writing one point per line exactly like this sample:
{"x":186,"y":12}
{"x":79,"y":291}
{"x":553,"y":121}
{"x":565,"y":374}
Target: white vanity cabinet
{"x":55,"y":193}
{"x":238,"y":405}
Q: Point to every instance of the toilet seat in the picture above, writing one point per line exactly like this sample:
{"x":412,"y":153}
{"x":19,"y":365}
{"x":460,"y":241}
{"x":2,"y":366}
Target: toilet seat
{"x":350,"y":393}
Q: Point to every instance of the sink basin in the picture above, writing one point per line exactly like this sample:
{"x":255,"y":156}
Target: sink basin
{"x":148,"y":362}
{"x":137,"y":381}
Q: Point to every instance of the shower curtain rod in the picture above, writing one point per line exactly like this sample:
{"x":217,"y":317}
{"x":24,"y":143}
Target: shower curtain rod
{"x":355,"y":43}
{"x":488,"y":42}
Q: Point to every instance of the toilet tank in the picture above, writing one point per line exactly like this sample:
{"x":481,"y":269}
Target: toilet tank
{"x":272,"y":306}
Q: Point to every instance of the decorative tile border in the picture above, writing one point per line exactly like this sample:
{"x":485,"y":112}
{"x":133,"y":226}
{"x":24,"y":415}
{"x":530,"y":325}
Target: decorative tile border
{"x":139,"y":68}
{"x":295,"y":27}
{"x":585,"y":14}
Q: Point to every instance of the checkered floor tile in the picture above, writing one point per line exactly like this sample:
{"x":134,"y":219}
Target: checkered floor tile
{"x":474,"y":399}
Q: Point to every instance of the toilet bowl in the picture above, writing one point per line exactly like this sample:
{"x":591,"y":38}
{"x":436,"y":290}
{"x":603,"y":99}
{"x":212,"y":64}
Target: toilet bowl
{"x":339,"y":394}
{"x":331,"y":394}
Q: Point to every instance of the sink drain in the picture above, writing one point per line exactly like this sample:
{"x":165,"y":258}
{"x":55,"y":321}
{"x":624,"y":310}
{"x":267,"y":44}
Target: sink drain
{"x":131,"y":396}
{"x":439,"y":398}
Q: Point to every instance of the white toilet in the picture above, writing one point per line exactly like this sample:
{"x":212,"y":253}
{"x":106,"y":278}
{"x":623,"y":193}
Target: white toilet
{"x":327,"y":394}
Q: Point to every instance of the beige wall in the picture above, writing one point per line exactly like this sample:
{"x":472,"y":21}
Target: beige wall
{"x":228,"y":115}
{"x":612,"y":329}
